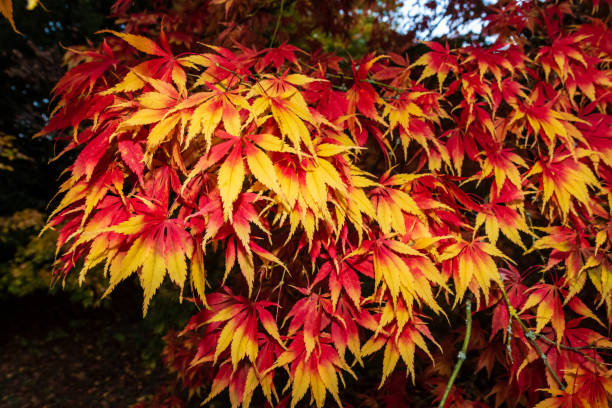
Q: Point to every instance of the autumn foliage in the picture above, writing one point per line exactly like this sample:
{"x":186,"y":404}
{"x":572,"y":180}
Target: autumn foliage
{"x":335,"y":218}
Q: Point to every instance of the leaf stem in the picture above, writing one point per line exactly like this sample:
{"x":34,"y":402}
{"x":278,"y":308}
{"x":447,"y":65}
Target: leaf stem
{"x":278,"y":20}
{"x":237,"y":75}
{"x":462,"y":353}
{"x":531,"y":336}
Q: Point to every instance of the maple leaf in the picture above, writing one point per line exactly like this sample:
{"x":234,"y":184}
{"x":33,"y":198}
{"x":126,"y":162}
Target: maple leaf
{"x":471,"y":86}
{"x":392,"y":203}
{"x":458,"y":145}
{"x":220,"y":106}
{"x":230,"y":179}
{"x":565,"y":178}
{"x":495,"y":59}
{"x":405,"y":271}
{"x":343,"y":278}
{"x":472,"y":266}
{"x":243,"y":336}
{"x":278,"y":55}
{"x":243,"y":381}
{"x":81,"y":79}
{"x":167,"y":67}
{"x":6,"y":9}
{"x":600,"y":275}
{"x":550,"y":307}
{"x":317,"y":371}
{"x":577,"y":337}
{"x":102,"y":246}
{"x":239,"y":318}
{"x":401,"y":110}
{"x":344,"y":329}
{"x":288,"y":107}
{"x":399,"y":342}
{"x":132,"y":155}
{"x":362,"y":97}
{"x":399,"y":75}
{"x":440,"y":61}
{"x":157,"y":245}
{"x":545,"y":121}
{"x":232,"y":171}
{"x":585,"y":389}
{"x":497,"y":217}
{"x":561,"y":55}
{"x":516,"y":290}
{"x":160,"y":110}
{"x":503,"y":165}
{"x":237,"y":234}
{"x":331,"y":103}
{"x":587,"y":79}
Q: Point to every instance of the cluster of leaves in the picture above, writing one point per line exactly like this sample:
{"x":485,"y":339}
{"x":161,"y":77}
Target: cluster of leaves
{"x":354,"y":204}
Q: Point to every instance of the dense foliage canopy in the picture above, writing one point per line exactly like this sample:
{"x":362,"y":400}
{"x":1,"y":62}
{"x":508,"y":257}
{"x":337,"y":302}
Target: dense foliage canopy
{"x":343,"y":203}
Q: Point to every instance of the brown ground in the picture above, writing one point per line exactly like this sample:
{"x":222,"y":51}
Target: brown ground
{"x":54,"y":353}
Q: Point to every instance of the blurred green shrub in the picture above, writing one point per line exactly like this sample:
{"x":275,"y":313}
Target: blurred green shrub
{"x":26,"y":261}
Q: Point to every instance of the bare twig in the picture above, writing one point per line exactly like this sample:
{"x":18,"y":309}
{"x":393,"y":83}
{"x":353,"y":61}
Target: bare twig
{"x":278,"y":20}
{"x":577,"y":350}
{"x":462,"y":353}
{"x":368,"y":80}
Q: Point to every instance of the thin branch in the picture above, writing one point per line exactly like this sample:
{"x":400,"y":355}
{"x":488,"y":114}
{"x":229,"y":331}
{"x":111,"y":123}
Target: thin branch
{"x":577,"y":350}
{"x":566,"y":347}
{"x":462,"y":353}
{"x":531,"y":336}
{"x":370,"y":81}
{"x":278,"y":20}
{"x":329,"y":75}
{"x":235,"y":74}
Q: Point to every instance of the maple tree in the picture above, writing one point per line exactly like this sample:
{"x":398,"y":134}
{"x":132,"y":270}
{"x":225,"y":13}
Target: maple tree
{"x":335,"y":215}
